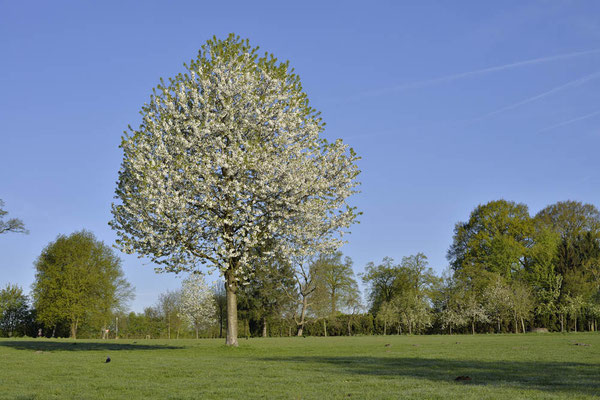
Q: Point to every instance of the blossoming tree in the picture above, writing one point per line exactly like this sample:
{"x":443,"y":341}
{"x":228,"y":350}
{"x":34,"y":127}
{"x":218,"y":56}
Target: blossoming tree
{"x":228,"y":162}
{"x":198,"y":305}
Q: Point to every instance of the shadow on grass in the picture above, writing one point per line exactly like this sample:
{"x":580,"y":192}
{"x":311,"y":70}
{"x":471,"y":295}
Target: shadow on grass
{"x":46,"y":345}
{"x":566,"y":377}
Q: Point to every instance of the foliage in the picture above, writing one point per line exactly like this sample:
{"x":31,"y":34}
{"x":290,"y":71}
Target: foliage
{"x":494,"y":239}
{"x":336,"y":281}
{"x":12,"y":224}
{"x":78,"y":279}
{"x":197,"y":302}
{"x":227,"y":159}
{"x":14,"y":311}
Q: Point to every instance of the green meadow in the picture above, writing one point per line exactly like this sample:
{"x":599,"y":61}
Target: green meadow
{"x":530,"y":366}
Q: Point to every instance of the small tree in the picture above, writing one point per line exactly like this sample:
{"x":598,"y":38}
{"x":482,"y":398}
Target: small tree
{"x":388,"y":314}
{"x":11,"y":225}
{"x":14,"y":310}
{"x":498,"y":300}
{"x":229,"y":159}
{"x":78,"y":278}
{"x":522,"y":303}
{"x":169,"y":305}
{"x":336,"y":278}
{"x":197,"y":302}
{"x":473,"y":310}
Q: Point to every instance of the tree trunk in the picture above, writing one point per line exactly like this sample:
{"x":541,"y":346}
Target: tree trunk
{"x":473,"y":326}
{"x":325,"y":327}
{"x":333,"y":303}
{"x":575,"y":323}
{"x":169,"y":326}
{"x":384,"y":327}
{"x":196,"y":326}
{"x":498,"y":325}
{"x":53,"y":331}
{"x":74,"y":328}
{"x":232,"y":318}
{"x":349,"y":327}
{"x":220,"y":323}
{"x":562,"y":322}
{"x":523,"y":324}
{"x":302,"y":316}
{"x":516,"y":324}
{"x":264,"y":333}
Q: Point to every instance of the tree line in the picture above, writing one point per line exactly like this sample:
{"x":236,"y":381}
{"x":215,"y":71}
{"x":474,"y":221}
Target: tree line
{"x":508,"y":272}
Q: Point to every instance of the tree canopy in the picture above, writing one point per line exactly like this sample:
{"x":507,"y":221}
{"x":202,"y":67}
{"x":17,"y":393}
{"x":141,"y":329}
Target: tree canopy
{"x":229,"y":158}
{"x":12,"y":224}
{"x":78,"y":278}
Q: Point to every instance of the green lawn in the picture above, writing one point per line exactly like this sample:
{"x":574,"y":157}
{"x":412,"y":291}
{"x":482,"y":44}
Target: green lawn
{"x":512,"y":367}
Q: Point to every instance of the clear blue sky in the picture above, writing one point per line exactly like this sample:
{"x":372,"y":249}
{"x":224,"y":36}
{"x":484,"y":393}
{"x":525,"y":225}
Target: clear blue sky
{"x":450,"y":104}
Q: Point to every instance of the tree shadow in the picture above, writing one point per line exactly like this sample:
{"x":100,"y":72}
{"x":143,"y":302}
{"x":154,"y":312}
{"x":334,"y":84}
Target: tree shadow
{"x":567,"y":377}
{"x":50,"y":345}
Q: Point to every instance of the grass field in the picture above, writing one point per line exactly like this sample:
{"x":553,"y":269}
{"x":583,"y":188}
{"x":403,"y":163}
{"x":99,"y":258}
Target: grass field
{"x":417,"y":367}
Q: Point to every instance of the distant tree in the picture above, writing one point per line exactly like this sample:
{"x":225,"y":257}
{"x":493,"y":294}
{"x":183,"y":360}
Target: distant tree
{"x":570,"y":218}
{"x":353,"y":306}
{"x":494,"y":239}
{"x":382,"y":282}
{"x":541,"y":273}
{"x":197,"y":302}
{"x":220,"y":296}
{"x":170,"y":305}
{"x":447,"y":303}
{"x":415,"y":311}
{"x":498,"y":301}
{"x":320,"y":301}
{"x":522,"y":303}
{"x":265,"y":294}
{"x":336,"y":278}
{"x":388,"y":314}
{"x":78,"y":278}
{"x":472,"y":308}
{"x":10,"y":225}
{"x":14,"y":310}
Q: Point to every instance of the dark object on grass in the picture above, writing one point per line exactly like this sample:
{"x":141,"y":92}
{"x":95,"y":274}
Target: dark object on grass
{"x":462,"y":378}
{"x":581,"y":344}
{"x":387,"y":345}
{"x":107,"y":360}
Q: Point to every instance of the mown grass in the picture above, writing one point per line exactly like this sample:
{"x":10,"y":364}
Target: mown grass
{"x":543,"y":366}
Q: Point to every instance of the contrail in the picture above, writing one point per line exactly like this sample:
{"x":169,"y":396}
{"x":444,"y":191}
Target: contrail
{"x":567,"y":85}
{"x":462,"y":75}
{"x":586,"y":116}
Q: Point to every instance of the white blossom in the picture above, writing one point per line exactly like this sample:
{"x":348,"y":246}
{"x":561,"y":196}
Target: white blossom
{"x":197,"y":302}
{"x":229,"y":159}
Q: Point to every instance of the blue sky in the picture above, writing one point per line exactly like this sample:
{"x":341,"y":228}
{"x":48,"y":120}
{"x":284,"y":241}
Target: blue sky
{"x":450,"y":104}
